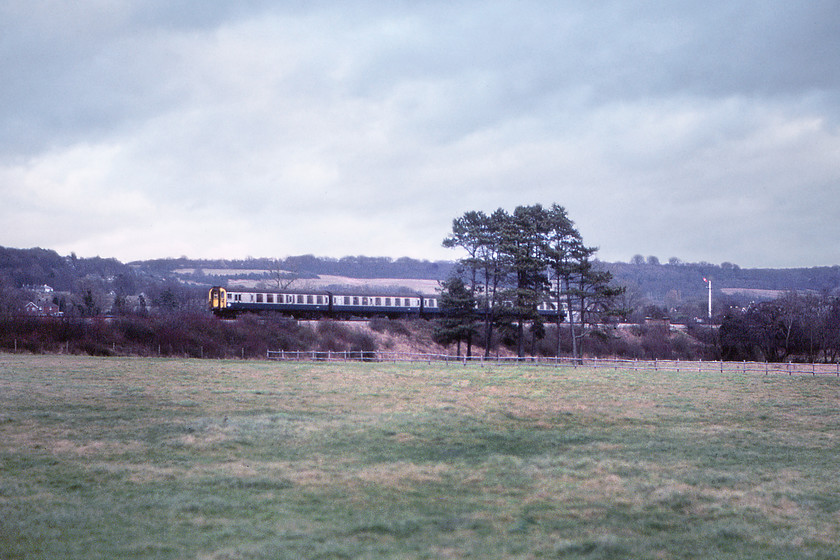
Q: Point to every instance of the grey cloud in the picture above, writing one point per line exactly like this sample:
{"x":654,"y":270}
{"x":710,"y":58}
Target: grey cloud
{"x":649,"y":120}
{"x":76,"y":71}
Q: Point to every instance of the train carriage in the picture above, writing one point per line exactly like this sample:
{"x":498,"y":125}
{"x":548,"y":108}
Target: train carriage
{"x":317,"y":304}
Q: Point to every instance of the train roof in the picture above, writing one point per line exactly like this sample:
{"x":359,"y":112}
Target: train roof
{"x":341,"y":292}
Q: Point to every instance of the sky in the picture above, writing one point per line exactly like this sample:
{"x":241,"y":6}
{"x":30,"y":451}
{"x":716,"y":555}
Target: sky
{"x":141,"y":129}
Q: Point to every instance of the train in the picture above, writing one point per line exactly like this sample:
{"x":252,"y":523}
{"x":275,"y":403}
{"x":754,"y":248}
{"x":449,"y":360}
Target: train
{"x":317,"y":304}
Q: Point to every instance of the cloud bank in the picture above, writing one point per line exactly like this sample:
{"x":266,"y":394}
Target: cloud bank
{"x":151,"y":129}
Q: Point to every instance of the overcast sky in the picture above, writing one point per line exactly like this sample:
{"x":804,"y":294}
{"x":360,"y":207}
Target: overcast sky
{"x":707,"y":131}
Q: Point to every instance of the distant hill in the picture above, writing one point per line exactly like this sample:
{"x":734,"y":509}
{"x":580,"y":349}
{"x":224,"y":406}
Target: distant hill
{"x":656,"y":281}
{"x":22,"y":267}
{"x":652,"y":283}
{"x":304,"y":266}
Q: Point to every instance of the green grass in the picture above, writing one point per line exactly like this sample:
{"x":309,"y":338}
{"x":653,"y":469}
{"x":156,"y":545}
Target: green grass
{"x":132,"y":458}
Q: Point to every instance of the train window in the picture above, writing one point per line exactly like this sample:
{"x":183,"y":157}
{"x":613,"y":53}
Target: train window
{"x":269,"y":298}
{"x":309,"y":299}
{"x":387,"y":302}
{"x":300,"y":298}
{"x":365,"y":301}
{"x":378,"y":301}
{"x":346,"y":300}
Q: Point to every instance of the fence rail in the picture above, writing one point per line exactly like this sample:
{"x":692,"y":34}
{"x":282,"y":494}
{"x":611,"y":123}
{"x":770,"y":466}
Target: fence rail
{"x":767,"y":368}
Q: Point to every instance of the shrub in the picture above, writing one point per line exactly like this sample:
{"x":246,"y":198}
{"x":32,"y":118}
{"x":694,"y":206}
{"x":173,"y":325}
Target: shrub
{"x":390,"y":326}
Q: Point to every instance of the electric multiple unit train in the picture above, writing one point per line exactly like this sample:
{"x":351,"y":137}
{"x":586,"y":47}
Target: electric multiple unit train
{"x":315,"y":304}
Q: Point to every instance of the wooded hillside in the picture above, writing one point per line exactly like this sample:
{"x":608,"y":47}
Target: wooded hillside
{"x":664,"y":285}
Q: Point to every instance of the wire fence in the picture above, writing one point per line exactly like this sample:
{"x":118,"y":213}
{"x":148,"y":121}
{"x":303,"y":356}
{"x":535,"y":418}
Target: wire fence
{"x":700,"y":366}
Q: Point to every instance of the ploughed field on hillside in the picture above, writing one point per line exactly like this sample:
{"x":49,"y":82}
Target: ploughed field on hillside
{"x":165,"y":458}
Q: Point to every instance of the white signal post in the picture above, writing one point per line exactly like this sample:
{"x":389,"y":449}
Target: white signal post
{"x":710,"y":298}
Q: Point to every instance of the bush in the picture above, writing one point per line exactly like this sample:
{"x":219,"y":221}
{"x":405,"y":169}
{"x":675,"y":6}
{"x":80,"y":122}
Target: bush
{"x":337,"y":337}
{"x":390,"y":326}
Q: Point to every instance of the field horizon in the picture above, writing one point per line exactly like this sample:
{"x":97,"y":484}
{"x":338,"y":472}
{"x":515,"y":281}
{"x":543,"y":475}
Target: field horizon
{"x":232,"y":459}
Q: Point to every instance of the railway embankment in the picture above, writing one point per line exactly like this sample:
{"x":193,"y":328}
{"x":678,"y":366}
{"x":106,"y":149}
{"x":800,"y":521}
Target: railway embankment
{"x":200,"y":335}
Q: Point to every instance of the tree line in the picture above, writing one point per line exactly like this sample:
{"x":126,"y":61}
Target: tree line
{"x":793,"y":327}
{"x":514,"y":262}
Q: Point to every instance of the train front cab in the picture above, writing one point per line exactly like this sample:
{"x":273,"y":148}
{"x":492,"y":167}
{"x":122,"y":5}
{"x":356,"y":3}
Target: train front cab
{"x":218,"y":299}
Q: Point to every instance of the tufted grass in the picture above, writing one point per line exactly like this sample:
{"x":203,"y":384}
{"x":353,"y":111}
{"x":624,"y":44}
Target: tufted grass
{"x":143,"y":458}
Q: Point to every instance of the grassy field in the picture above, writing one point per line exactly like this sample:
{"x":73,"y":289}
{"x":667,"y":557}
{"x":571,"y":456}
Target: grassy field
{"x":142,"y":458}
